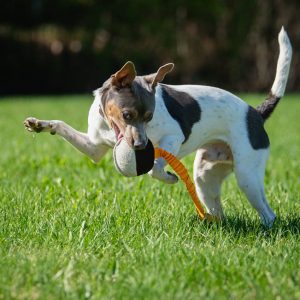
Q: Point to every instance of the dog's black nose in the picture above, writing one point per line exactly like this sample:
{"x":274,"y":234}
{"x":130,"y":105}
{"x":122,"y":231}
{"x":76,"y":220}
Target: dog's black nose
{"x":139,"y":145}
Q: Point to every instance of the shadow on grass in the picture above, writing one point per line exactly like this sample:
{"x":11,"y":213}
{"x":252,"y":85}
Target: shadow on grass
{"x":244,"y":226}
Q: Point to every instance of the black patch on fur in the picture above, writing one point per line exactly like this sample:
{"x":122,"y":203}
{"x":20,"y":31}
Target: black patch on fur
{"x":144,"y":159}
{"x":268,"y":106}
{"x":256,"y":133}
{"x":183,"y":108}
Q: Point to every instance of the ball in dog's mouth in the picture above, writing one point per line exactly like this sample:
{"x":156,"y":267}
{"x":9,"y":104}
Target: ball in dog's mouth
{"x":130,"y":162}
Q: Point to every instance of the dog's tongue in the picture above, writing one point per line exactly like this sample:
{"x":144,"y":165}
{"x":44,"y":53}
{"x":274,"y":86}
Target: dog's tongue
{"x":120,"y":135}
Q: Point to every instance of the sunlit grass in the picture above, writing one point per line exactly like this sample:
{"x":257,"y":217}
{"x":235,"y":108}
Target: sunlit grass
{"x":70,"y":229}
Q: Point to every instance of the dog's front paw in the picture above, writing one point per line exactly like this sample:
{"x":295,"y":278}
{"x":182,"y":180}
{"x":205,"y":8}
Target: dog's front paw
{"x":35,"y":125}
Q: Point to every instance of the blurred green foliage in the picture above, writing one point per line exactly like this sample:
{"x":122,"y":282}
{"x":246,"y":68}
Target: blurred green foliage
{"x":64,"y":46}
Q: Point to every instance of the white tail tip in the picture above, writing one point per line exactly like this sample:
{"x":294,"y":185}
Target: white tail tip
{"x":283,"y":64}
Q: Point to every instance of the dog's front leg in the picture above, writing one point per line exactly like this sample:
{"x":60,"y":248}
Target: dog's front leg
{"x":170,"y":143}
{"x":79,"y":140}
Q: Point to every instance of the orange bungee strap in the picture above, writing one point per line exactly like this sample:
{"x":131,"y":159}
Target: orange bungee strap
{"x":182,"y":172}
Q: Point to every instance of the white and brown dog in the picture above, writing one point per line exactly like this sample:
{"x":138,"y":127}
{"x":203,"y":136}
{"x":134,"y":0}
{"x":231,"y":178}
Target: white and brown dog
{"x":226,"y":132}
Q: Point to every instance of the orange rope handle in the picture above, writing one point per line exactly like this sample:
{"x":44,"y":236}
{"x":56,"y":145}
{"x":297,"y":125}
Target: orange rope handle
{"x":182,"y":172}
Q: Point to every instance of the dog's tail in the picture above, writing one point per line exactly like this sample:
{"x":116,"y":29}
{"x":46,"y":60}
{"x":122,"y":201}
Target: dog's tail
{"x":282,"y":74}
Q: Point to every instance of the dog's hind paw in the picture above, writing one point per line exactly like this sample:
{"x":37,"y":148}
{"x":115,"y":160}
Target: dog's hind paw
{"x":171,"y":178}
{"x":35,"y":125}
{"x":159,"y":173}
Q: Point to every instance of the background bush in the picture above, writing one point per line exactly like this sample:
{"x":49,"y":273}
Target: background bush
{"x":63,"y":46}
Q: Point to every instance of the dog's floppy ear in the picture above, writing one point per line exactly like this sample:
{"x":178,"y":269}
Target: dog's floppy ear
{"x":125,"y":76}
{"x":159,"y":76}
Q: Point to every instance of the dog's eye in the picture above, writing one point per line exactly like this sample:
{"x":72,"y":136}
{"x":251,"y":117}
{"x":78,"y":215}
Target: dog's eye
{"x":148,"y":116}
{"x":127,"y":115}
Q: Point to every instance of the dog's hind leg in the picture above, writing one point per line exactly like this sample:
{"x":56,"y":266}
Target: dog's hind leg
{"x":79,"y":140}
{"x":250,"y":170}
{"x":213,"y":163}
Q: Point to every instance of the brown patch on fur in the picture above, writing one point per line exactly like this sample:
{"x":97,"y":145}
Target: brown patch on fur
{"x":114,"y":113}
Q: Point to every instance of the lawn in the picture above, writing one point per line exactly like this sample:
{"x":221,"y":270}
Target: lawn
{"x":70,"y":229}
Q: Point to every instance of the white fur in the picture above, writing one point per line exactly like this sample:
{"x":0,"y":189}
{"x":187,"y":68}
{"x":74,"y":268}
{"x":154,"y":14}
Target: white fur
{"x":220,"y":139}
{"x":283,"y":65}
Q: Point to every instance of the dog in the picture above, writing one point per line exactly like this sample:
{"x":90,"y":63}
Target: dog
{"x":226,"y":133}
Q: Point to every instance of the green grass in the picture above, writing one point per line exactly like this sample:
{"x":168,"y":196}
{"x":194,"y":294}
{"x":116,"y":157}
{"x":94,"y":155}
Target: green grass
{"x":70,"y":229}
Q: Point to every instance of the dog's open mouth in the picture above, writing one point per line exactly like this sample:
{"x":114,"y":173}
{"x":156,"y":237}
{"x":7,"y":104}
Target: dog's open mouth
{"x":117,"y":130}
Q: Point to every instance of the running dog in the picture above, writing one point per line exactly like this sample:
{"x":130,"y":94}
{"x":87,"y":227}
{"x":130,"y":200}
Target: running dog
{"x":226,"y":133}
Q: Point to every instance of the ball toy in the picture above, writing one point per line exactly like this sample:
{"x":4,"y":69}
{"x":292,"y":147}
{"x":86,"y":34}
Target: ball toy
{"x":130,"y":162}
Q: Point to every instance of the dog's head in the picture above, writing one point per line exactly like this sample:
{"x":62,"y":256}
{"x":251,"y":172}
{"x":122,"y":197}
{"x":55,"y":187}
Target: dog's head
{"x":128,"y":102}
